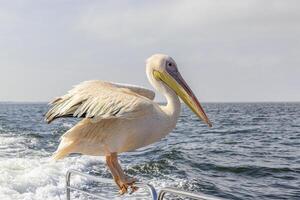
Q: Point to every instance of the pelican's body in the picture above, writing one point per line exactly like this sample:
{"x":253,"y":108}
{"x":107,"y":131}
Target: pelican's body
{"x":148,"y":123}
{"x":120,"y":118}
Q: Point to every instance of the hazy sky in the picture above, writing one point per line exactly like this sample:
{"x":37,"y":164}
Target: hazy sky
{"x":233,"y":50}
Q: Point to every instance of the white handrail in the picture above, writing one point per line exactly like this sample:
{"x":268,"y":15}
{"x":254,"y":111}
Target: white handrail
{"x":150,"y":188}
{"x":181,"y":193}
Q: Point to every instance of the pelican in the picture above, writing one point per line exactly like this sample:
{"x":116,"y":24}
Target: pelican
{"x":120,"y":118}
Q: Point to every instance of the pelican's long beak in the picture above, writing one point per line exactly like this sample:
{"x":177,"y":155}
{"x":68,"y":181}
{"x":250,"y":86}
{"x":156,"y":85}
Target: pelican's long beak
{"x":175,"y":81}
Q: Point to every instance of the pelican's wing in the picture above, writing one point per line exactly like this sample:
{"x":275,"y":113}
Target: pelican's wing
{"x":98,"y":100}
{"x":136,"y":89}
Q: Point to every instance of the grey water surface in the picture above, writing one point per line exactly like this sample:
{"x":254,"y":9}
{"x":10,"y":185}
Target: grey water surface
{"x":252,"y":152}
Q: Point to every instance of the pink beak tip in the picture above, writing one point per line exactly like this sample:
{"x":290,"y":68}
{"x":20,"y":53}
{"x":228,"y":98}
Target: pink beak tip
{"x":209,"y":124}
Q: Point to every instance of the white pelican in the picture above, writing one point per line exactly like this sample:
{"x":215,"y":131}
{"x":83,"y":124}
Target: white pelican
{"x":120,"y":118}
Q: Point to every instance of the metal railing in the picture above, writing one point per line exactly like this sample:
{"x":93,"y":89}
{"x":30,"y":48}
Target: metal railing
{"x":150,"y":188}
{"x":181,"y":193}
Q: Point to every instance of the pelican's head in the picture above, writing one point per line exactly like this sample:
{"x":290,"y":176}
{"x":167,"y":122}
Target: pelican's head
{"x":163,"y":68}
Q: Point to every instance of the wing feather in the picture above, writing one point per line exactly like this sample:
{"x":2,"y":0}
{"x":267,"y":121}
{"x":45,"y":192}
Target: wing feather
{"x":98,"y":100}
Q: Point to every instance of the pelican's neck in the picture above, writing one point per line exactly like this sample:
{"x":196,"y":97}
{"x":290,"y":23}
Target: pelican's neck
{"x":173,"y":106}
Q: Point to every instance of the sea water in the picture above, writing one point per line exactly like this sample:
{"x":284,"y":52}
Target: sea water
{"x":251,"y":152}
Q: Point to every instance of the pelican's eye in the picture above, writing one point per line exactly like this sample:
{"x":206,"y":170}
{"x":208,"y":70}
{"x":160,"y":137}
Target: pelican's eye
{"x":171,"y":67}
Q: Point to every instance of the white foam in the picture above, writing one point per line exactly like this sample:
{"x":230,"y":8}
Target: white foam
{"x":37,"y":178}
{"x":67,"y":125}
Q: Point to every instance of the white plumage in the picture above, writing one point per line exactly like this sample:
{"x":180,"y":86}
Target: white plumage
{"x":120,"y":118}
{"x":99,"y":99}
{"x":109,"y":110}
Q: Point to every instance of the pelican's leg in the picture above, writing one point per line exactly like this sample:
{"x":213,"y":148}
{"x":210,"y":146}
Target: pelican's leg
{"x":113,"y":170}
{"x":125,"y":181}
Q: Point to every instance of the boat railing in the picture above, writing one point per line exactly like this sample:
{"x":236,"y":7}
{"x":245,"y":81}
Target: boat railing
{"x":71,"y":172}
{"x":181,"y":193}
{"x":153,"y":193}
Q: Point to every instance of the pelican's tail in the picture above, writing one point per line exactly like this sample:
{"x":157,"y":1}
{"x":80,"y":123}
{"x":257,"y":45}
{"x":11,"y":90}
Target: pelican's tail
{"x":58,"y":155}
{"x":64,"y":149}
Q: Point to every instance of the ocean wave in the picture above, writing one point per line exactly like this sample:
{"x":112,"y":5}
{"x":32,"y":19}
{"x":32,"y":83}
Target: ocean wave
{"x":250,"y":170}
{"x":38,"y":178}
{"x":242,"y":157}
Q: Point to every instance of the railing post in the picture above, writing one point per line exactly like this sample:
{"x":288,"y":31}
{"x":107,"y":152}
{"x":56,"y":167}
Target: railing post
{"x":152,"y":192}
{"x":68,"y":190}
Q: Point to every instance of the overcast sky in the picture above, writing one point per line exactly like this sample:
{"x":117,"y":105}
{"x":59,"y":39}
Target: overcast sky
{"x":233,"y":50}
